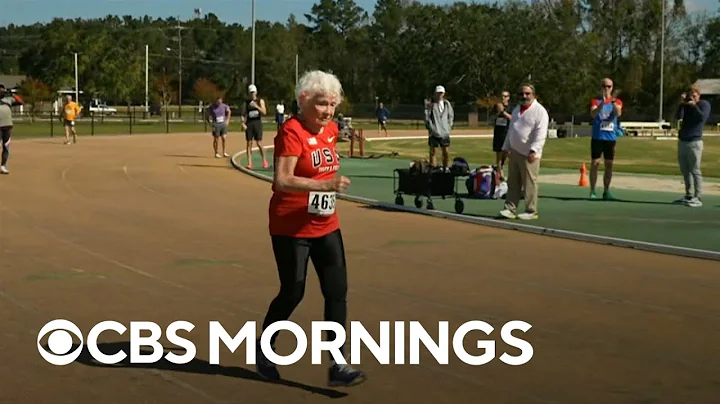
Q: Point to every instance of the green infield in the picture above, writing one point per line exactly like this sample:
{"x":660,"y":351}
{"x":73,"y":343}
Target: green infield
{"x":85,"y":128}
{"x":638,"y":214}
{"x":633,"y":154}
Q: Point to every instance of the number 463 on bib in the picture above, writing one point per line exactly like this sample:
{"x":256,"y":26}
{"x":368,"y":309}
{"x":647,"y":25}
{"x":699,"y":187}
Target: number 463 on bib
{"x":321,"y":203}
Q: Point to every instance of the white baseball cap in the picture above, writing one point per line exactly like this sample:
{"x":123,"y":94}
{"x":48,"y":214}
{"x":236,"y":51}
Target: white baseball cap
{"x":439,"y":89}
{"x":252,"y":88}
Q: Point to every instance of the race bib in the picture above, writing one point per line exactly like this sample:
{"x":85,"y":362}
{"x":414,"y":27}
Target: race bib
{"x":321,"y":203}
{"x":68,"y":111}
{"x":501,"y":122}
{"x":253,"y":114}
{"x":220,"y":119}
{"x":607,"y":126}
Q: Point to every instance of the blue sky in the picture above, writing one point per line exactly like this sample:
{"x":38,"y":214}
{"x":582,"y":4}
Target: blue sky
{"x":31,"y":11}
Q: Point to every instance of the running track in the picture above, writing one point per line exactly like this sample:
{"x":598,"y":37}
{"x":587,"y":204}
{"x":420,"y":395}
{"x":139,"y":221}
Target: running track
{"x":154,"y":228}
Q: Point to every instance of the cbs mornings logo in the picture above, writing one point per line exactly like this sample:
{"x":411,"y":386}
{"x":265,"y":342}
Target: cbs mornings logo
{"x":60,"y":342}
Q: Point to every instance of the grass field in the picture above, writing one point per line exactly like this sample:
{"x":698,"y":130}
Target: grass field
{"x":633,"y":155}
{"x":41,"y":129}
{"x":120,"y":125}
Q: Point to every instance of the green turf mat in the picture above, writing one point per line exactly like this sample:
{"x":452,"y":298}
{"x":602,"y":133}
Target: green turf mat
{"x":637,"y":215}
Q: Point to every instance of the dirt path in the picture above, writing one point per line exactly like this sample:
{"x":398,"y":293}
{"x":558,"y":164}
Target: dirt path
{"x":153,"y":228}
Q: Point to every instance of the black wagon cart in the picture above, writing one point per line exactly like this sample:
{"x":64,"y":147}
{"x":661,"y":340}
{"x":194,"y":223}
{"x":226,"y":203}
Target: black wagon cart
{"x":426,"y":184}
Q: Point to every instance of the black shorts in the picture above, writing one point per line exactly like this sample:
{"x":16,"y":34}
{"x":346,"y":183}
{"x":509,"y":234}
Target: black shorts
{"x":499,"y":139}
{"x":381,"y":122}
{"x":254,"y":131}
{"x":438,"y":142}
{"x":602,"y":148}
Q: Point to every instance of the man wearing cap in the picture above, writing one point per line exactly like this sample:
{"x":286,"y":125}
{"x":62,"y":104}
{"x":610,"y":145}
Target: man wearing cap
{"x":7,"y":101}
{"x":439,"y":119}
{"x":252,"y":124}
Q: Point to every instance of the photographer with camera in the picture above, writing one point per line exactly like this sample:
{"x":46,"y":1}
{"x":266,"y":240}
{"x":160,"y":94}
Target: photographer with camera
{"x":693,"y":112}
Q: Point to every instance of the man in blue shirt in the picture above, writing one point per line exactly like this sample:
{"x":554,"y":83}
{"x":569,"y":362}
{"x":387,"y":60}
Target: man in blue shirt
{"x":604,"y":112}
{"x":694,"y":112}
{"x":382,"y":116}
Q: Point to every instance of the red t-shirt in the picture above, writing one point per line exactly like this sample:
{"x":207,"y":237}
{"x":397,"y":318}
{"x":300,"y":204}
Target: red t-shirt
{"x":306,"y":214}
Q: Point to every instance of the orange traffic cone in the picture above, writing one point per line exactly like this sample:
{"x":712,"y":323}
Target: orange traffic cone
{"x":584,"y":182}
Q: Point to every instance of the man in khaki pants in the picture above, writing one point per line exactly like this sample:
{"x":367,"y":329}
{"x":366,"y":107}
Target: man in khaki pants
{"x":524,"y":144}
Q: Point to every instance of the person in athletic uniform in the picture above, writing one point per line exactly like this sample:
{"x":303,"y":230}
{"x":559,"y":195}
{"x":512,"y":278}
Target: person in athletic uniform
{"x":280,"y":114}
{"x":220,"y":114}
{"x":303,"y":222}
{"x":503,"y":116}
{"x":71,"y":110}
{"x":604,"y":112}
{"x":7,"y":101}
{"x":382,"y":117}
{"x":252,"y":124}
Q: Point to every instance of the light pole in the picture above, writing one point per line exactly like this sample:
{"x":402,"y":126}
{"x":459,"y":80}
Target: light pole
{"x":252,"y":69}
{"x":77,"y":90}
{"x":179,"y":79}
{"x":147,"y":78}
{"x":662,"y":60}
{"x":179,"y":28}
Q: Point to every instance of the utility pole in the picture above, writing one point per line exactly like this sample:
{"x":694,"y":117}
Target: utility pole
{"x":297,"y":57}
{"x":252,"y":69}
{"x":179,"y":28}
{"x":662,"y":60}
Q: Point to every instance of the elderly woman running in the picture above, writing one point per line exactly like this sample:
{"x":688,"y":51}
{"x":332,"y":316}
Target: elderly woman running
{"x":303,"y":222}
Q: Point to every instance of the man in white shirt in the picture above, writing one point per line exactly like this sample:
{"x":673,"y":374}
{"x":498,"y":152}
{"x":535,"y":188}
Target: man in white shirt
{"x":524,"y":144}
{"x":280,"y":114}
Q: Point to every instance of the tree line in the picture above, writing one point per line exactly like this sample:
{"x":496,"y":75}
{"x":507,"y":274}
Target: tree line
{"x":396,"y":53}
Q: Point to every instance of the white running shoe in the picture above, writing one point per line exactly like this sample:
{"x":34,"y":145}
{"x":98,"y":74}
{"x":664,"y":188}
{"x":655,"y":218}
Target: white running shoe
{"x":528,"y":216}
{"x":4,"y":170}
{"x":217,"y":155}
{"x":226,"y":155}
{"x":694,"y":202}
{"x":508,"y":214}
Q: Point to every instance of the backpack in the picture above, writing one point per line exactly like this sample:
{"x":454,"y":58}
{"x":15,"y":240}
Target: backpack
{"x":460,"y":166}
{"x":485,"y":183}
{"x":419,"y":167}
{"x":481,"y":182}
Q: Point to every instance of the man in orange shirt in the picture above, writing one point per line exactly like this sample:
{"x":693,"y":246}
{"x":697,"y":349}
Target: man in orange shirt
{"x":71,"y":110}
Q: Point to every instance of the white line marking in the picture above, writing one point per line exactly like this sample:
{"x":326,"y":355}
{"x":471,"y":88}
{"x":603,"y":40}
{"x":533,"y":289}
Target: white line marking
{"x":131,"y":179}
{"x":377,"y":139}
{"x":66,"y":183}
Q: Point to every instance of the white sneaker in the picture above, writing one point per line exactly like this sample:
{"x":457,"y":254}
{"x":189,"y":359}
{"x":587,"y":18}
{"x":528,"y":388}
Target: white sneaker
{"x":694,"y":202}
{"x":508,"y":214}
{"x":4,"y":170}
{"x":217,"y":155}
{"x":528,"y":216}
{"x":226,"y":155}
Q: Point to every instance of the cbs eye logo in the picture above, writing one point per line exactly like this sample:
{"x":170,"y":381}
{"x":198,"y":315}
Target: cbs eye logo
{"x":60,"y":342}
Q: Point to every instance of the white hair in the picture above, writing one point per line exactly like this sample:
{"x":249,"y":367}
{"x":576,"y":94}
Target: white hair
{"x":317,"y":82}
